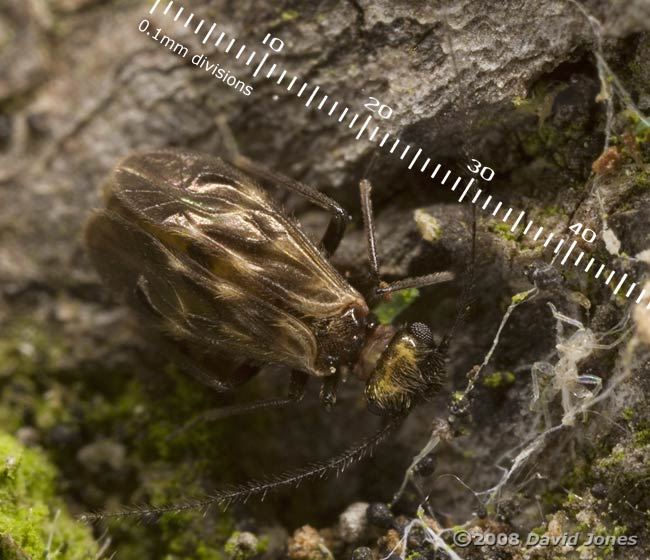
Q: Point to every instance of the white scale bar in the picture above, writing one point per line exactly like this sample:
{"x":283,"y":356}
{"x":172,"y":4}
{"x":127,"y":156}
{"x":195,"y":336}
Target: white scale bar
{"x":232,"y":42}
{"x":571,"y":248}
{"x":435,"y":171}
{"x":168,"y":7}
{"x":638,"y":300}
{"x":415,"y":158}
{"x":311,"y":97}
{"x":320,"y":105}
{"x":579,"y":258}
{"x":250,"y":58}
{"x":405,"y":152}
{"x":354,"y":119}
{"x":155,"y":5}
{"x":591,"y":261}
{"x":271,"y":71}
{"x":188,"y":20}
{"x":178,"y":14}
{"x":487,"y":201}
{"x":548,"y":239}
{"x":293,"y":81}
{"x":528,"y":226}
{"x":444,"y":179}
{"x":363,"y":128}
{"x":345,"y":112}
{"x":467,"y":187}
{"x":303,"y":88}
{"x":505,"y":218}
{"x":539,"y":232}
{"x":374,"y":133}
{"x":198,"y":27}
{"x":514,"y":227}
{"x":207,"y":36}
{"x":383,"y":140}
{"x":336,"y":103}
{"x":600,"y":270}
{"x":620,"y":284}
{"x":497,"y":208}
{"x":455,"y":185}
{"x":259,"y":66}
{"x":609,"y":278}
{"x":629,"y":292}
{"x":394,"y":146}
{"x":243,"y":48}
{"x":426,"y":163}
{"x":220,"y":39}
{"x":559,"y":245}
{"x":478,"y":193}
{"x":284,"y":73}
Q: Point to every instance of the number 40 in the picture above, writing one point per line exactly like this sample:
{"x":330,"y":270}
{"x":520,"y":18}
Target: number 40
{"x":589,"y":235}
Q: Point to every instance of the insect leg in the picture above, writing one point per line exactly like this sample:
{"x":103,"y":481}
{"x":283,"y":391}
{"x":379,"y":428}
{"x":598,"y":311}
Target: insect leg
{"x":297,"y":388}
{"x":365,"y":189}
{"x":340,"y":218}
{"x":329,"y":389}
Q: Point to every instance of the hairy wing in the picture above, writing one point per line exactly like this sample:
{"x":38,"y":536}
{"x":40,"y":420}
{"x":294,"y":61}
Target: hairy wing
{"x":206,"y":312}
{"x":231,"y":229}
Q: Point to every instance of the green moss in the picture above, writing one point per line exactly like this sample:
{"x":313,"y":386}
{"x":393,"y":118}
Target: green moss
{"x":499,"y":379}
{"x":32,"y":519}
{"x":503,"y":231}
{"x":289,"y":15}
{"x":387,"y":311}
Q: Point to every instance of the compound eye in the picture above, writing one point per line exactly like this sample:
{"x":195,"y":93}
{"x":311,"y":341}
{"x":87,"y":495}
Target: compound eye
{"x":422,"y":333}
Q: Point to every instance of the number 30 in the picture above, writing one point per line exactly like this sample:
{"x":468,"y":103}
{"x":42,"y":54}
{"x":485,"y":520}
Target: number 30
{"x":486,"y":173}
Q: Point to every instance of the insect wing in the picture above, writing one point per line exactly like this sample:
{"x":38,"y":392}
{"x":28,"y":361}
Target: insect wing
{"x":195,"y":308}
{"x":232,"y":228}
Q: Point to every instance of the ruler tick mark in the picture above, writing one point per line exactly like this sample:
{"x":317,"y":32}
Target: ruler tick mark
{"x":514,"y":227}
{"x":620,"y":284}
{"x":600,"y":270}
{"x":178,"y":14}
{"x":168,"y":7}
{"x":497,"y":208}
{"x":363,"y":128}
{"x":207,"y":36}
{"x":629,"y":292}
{"x":259,"y":66}
{"x":311,"y":97}
{"x":155,"y":5}
{"x":487,"y":202}
{"x":415,"y":158}
{"x":426,"y":163}
{"x":478,"y":193}
{"x":435,"y":171}
{"x":198,"y":27}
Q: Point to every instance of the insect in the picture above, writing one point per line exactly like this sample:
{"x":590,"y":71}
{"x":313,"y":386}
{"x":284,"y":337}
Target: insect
{"x":201,"y":250}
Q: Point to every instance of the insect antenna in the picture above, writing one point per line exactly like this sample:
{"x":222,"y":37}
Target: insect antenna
{"x":467,"y":296}
{"x":262,"y":486}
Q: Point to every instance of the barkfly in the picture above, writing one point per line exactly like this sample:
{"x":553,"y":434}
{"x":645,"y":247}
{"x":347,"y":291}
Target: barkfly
{"x":200,"y":249}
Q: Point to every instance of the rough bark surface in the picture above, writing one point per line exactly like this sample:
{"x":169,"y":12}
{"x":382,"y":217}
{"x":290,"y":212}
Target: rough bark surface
{"x":81,"y":87}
